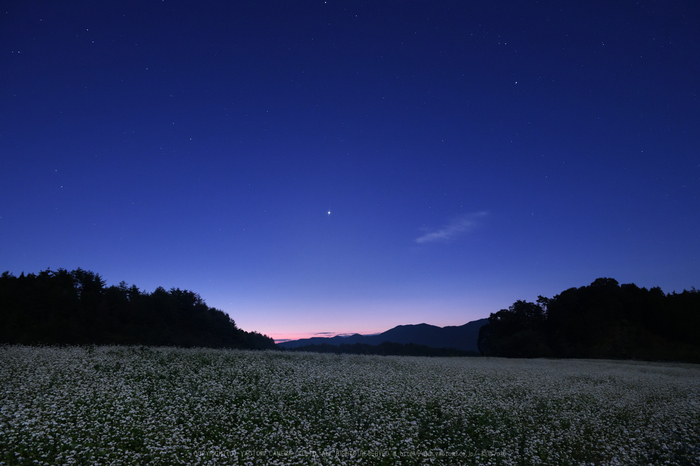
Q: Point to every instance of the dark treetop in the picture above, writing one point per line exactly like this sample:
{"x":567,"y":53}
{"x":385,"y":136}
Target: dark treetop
{"x":602,"y":320}
{"x":61,"y":307}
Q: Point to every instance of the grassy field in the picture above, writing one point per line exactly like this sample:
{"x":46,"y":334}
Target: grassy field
{"x":118,"y":405}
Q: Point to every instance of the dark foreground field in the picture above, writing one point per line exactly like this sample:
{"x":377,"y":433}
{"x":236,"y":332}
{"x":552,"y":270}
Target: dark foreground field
{"x":141,"y":405}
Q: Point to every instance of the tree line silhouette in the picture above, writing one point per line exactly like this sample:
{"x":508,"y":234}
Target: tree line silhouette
{"x":602,"y":320}
{"x":386,"y":348}
{"x":75,"y":308}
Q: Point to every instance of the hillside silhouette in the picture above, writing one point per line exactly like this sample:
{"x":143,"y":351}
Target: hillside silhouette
{"x":462,"y":338}
{"x":602,"y":320}
{"x":75,"y":308}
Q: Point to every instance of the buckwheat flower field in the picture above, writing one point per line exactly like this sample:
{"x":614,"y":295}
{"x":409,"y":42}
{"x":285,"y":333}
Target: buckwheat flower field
{"x":139,"y":405}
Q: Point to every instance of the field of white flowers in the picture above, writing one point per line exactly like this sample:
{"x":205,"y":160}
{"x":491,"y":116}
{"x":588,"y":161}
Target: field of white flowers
{"x":120,"y":405}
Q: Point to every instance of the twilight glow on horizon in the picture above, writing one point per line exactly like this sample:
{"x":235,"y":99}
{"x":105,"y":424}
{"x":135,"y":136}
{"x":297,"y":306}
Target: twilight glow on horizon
{"x":327,"y":167}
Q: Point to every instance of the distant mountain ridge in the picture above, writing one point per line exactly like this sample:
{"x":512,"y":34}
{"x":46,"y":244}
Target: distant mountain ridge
{"x":462,"y":337}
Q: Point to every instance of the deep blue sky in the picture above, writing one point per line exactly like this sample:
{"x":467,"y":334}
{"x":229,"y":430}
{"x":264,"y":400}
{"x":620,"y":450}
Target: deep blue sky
{"x":470,"y":153}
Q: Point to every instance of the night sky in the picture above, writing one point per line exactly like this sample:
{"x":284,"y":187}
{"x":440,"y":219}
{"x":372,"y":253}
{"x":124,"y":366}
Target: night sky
{"x":346,"y":166}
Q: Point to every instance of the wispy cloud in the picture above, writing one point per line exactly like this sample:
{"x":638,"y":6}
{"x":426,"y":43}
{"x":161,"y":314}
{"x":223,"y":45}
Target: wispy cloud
{"x":457,"y":227}
{"x":332,"y":334}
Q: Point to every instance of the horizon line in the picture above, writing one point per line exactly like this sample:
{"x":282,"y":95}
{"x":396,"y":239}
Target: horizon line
{"x":282,"y":338}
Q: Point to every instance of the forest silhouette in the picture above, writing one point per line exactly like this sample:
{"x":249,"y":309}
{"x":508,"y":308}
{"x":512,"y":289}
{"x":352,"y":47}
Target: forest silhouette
{"x":386,"y":348}
{"x":603,"y":320}
{"x":76,"y":308}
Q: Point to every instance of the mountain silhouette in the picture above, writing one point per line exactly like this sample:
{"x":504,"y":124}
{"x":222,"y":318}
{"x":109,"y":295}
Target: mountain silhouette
{"x":463,"y":337}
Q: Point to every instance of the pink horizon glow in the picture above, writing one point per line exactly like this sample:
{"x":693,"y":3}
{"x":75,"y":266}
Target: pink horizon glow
{"x":286,"y":336}
{"x":295,"y":321}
